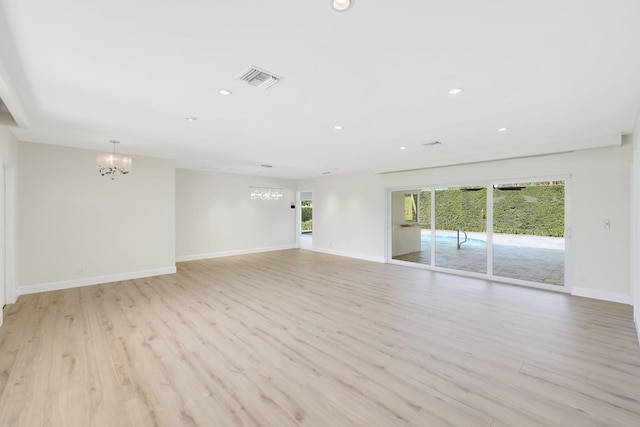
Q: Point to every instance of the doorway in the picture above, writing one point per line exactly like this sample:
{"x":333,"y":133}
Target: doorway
{"x":306,"y":220}
{"x":529,"y":231}
{"x":460,"y":227}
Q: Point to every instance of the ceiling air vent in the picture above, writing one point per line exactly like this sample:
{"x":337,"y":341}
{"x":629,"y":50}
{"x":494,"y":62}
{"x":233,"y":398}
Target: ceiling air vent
{"x":431,"y":144}
{"x":259,"y":78}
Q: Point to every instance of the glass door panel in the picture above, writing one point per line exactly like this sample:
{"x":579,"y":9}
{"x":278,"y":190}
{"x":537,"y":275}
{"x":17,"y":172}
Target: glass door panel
{"x":461,"y":233}
{"x":411,"y":226}
{"x":424,"y":216}
{"x":405,"y":227}
{"x":528,"y":231}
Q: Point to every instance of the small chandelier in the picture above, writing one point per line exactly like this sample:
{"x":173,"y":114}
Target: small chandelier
{"x":113,"y":164}
{"x":266,"y":193}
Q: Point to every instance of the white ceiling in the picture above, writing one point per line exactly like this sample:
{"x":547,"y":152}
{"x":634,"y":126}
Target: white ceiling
{"x":79,"y":73}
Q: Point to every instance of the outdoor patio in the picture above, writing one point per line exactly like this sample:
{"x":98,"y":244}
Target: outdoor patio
{"x":531,"y":258}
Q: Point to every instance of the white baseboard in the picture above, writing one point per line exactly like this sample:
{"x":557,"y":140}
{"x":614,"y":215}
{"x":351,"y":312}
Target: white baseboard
{"x":350,"y":255}
{"x":220,"y":254}
{"x":601,"y":295}
{"x":87,"y":281}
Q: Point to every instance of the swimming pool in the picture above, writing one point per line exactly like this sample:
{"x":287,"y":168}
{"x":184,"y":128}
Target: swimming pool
{"x":451,"y":241}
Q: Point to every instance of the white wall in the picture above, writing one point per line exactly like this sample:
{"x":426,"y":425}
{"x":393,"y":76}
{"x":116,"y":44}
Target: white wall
{"x":8,"y":158}
{"x":350,"y":210}
{"x":215,"y":215}
{"x":349,"y":214}
{"x":76,"y":227}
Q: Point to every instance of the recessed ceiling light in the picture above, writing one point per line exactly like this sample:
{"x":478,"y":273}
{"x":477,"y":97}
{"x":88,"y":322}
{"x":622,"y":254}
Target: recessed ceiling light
{"x":341,"y":5}
{"x":338,"y":127}
{"x":403,"y":148}
{"x":503,"y":129}
{"x":224,"y":92}
{"x":455,"y":91}
{"x":191,"y":118}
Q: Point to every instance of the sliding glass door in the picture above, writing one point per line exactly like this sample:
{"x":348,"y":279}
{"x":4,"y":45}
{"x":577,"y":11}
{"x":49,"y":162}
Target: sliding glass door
{"x":528,"y":231}
{"x":508,"y":231}
{"x":460,"y":228}
{"x":411,"y":226}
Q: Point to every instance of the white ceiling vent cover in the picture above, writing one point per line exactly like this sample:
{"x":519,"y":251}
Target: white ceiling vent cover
{"x":259,"y":78}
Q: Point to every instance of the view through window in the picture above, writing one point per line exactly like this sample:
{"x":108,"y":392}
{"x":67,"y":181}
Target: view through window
{"x":513,"y":231}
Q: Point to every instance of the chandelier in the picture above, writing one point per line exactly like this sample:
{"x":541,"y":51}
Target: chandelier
{"x":113,"y":164}
{"x":266,"y":193}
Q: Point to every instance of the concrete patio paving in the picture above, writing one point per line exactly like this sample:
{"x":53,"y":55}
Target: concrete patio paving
{"x":524,"y":257}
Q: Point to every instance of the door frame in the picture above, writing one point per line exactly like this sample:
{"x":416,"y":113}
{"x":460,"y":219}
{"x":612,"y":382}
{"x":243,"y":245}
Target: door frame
{"x":299,"y":214}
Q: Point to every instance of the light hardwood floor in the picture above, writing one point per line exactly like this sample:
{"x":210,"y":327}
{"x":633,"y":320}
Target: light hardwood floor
{"x":295,"y":337}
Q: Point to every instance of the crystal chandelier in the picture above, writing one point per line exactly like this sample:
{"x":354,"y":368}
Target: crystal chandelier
{"x":113,"y":164}
{"x":266,"y":193}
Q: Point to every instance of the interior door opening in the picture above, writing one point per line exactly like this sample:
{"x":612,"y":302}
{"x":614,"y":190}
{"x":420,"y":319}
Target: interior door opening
{"x":306,"y":220}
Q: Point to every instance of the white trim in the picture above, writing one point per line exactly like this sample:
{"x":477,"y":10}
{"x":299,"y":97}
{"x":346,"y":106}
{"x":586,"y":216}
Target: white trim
{"x":601,"y":295}
{"x":388,"y":236}
{"x":633,"y":244}
{"x":636,"y":318}
{"x":11,"y":294}
{"x":636,"y":311}
{"x":568,"y":234}
{"x":298,"y":229}
{"x":221,"y":254}
{"x":87,"y":281}
{"x":299,"y":214}
{"x":488,"y":234}
{"x":535,"y":285}
{"x":351,"y":255}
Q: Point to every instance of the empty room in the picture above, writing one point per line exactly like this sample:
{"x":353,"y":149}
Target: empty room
{"x":319,"y":213}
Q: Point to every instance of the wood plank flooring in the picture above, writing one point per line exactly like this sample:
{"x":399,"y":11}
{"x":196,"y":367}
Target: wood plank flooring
{"x":297,"y":338}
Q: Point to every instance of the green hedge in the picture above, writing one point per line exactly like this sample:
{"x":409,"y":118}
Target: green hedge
{"x":307,"y":213}
{"x":535,"y":210}
{"x":456,"y":208}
